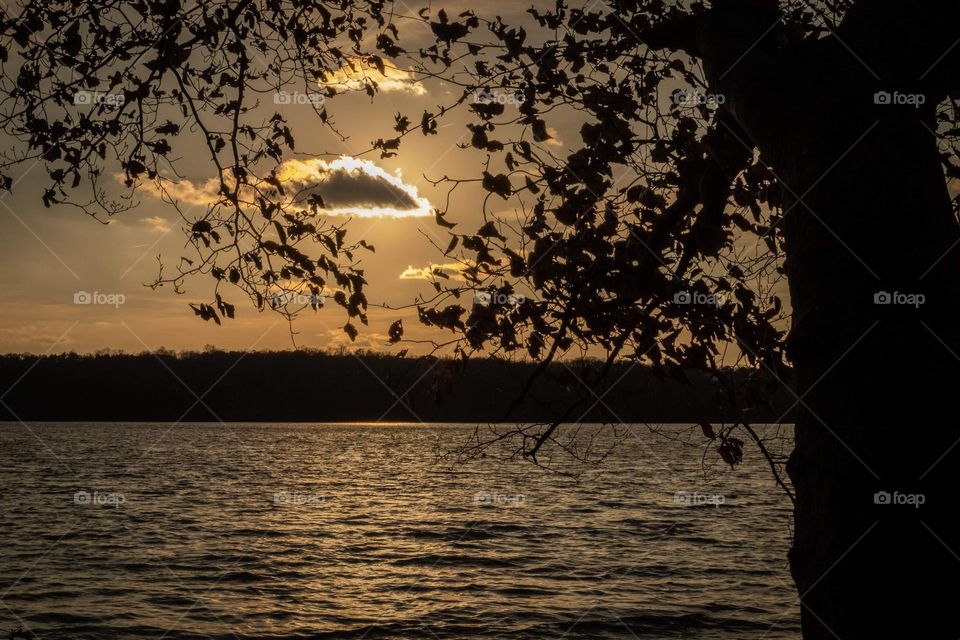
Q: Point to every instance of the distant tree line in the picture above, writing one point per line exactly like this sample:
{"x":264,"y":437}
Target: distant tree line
{"x":361,"y":386}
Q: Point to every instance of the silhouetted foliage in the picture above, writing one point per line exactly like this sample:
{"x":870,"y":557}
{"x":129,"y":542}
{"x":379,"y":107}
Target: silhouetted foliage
{"x":662,"y":201}
{"x":713,"y":141}
{"x":827,"y":152}
{"x":92,"y":88}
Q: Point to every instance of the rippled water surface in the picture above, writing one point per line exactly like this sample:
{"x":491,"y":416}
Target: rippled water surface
{"x":350,"y":531}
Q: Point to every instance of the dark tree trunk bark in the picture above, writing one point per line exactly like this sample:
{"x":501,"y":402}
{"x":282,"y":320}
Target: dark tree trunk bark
{"x":868,"y":211}
{"x":877,"y":381}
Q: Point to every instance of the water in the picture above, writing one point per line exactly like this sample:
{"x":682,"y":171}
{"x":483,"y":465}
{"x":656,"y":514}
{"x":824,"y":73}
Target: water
{"x":355,"y":531}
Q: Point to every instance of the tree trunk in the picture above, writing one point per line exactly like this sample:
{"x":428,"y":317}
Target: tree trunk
{"x":877,"y":416}
{"x":867,"y":212}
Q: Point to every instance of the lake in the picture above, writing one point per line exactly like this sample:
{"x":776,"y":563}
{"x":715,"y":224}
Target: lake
{"x":292,"y":531}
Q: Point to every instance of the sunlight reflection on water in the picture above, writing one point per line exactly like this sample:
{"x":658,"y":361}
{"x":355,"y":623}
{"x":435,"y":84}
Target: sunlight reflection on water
{"x":353,"y":531}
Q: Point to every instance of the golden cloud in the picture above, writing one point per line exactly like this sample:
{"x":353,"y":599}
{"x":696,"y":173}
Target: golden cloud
{"x":157,"y":224}
{"x":554,"y":139}
{"x":427,"y":272}
{"x":358,"y":74}
{"x":346,"y":186}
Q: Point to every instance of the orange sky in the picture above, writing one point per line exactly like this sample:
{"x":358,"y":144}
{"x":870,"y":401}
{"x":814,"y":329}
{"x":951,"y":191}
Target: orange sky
{"x":52,"y":255}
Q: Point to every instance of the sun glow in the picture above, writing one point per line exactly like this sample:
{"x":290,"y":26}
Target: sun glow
{"x":346,"y":186}
{"x":388,"y":190}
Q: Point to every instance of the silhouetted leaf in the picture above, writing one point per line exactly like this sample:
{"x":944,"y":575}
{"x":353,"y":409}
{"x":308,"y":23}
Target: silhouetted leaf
{"x":396,"y":331}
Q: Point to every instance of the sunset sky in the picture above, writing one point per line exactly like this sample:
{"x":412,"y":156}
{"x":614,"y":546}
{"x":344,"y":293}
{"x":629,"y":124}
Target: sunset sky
{"x":51,"y":254}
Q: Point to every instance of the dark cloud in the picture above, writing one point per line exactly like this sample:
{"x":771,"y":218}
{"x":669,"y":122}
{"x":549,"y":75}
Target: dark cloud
{"x":353,"y":186}
{"x":342,"y":189}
